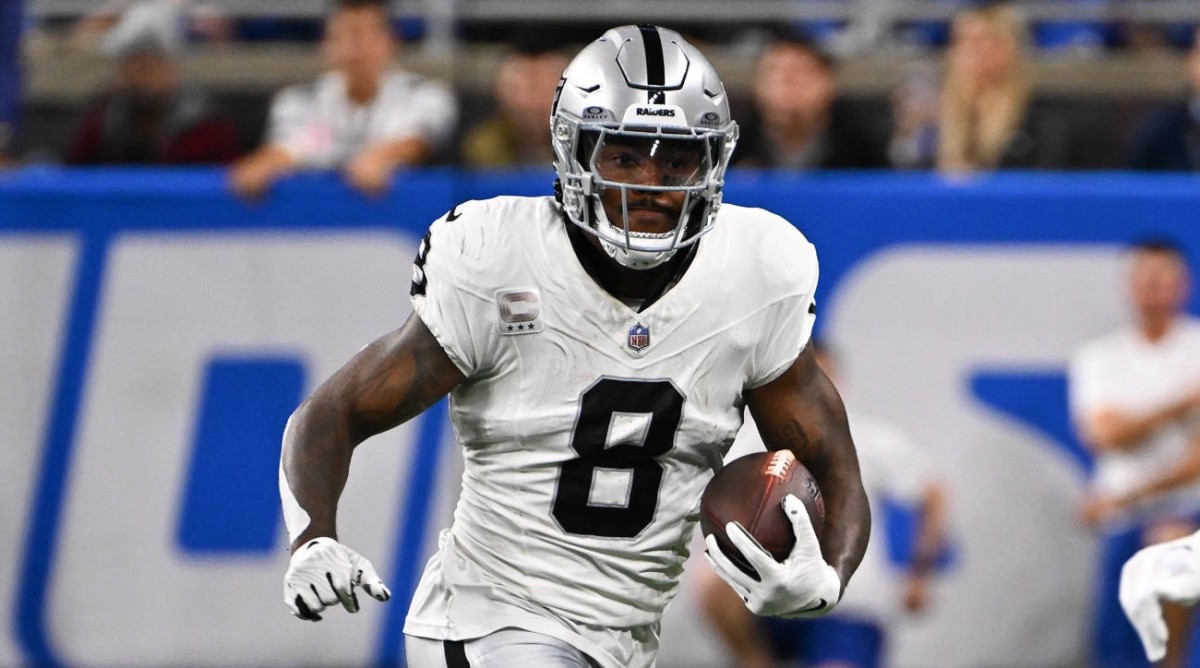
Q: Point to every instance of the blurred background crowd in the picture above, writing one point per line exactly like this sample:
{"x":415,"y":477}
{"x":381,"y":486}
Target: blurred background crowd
{"x":950,"y":85}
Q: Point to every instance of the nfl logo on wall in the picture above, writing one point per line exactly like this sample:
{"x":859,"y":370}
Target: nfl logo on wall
{"x":639,"y":337}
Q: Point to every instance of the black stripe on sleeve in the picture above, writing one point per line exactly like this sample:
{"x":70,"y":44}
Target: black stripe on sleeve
{"x":419,"y":280}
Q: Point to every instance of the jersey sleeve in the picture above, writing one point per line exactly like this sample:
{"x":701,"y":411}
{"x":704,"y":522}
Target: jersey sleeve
{"x":790,"y":319}
{"x":447,"y":297}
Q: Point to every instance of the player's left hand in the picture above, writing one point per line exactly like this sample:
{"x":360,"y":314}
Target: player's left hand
{"x":323,"y":572}
{"x":1168,"y":571}
{"x":803,"y":585}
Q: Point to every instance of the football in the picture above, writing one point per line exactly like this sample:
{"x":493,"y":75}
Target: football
{"x":751,"y":490}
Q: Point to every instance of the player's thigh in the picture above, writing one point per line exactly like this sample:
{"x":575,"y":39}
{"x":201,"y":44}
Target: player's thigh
{"x":502,"y":649}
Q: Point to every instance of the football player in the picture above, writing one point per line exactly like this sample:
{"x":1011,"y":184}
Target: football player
{"x":598,"y":347}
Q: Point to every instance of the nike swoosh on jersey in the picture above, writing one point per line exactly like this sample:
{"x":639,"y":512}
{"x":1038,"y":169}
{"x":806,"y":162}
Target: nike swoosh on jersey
{"x":453,"y":215}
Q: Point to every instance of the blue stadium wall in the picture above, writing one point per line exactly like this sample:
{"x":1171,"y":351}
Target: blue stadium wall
{"x":155,"y":333}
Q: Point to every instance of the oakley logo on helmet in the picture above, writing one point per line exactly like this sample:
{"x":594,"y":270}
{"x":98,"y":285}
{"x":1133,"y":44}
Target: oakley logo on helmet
{"x":596,"y":114}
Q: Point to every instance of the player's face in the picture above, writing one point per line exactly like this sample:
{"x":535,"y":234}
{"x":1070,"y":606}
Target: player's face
{"x":358,"y":43}
{"x":1158,"y":283}
{"x":651,"y":162}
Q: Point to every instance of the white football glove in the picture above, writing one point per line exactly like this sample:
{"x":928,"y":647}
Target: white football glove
{"x":324,"y":572}
{"x":1168,"y":571}
{"x":803,"y":585}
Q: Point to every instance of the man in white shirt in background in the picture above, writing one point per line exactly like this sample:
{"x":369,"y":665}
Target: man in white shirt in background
{"x":361,"y":117}
{"x":855,"y":634}
{"x":1134,"y":395}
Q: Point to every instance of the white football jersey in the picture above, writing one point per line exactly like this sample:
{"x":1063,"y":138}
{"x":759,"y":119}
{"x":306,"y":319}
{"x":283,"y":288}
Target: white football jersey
{"x":590,"y":429}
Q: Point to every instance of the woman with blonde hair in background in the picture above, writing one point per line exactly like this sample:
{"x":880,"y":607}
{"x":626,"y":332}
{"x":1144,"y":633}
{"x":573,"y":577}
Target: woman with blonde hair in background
{"x":989,"y":117}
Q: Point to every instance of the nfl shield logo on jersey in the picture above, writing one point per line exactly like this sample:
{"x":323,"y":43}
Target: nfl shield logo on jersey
{"x":639,"y":337}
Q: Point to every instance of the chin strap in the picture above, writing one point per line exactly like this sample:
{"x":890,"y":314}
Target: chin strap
{"x":637,"y":260}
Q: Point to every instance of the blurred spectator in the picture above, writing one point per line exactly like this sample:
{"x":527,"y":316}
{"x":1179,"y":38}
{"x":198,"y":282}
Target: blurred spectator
{"x":518,"y":134}
{"x":1169,"y":140}
{"x":361,"y":116}
{"x":989,"y":118}
{"x":800,"y":122}
{"x":149,"y":116}
{"x":10,"y":80}
{"x":1135,"y":402}
{"x":854,"y":635}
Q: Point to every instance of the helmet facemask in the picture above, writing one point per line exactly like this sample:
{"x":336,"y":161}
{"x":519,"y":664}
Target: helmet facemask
{"x":627,"y":166}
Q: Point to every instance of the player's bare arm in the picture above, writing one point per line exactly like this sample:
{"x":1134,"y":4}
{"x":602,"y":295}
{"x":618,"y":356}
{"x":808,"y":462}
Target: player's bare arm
{"x":388,"y":382}
{"x":803,"y":412}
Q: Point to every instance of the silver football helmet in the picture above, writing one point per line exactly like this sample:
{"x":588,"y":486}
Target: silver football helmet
{"x":641,"y":86}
